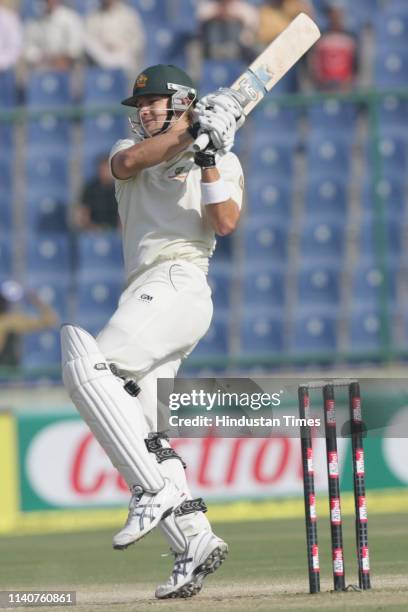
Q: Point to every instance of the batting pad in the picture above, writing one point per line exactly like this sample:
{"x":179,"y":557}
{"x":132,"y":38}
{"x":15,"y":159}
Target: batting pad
{"x":114,"y":417}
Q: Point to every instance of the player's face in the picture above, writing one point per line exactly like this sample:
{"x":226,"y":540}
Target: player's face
{"x":153,"y":110}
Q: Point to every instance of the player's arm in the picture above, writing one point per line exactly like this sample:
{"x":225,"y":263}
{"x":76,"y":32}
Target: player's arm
{"x":221,"y":209}
{"x":150,"y":152}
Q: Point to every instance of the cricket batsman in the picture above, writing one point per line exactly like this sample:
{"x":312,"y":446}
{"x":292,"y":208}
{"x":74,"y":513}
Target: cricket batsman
{"x":171,"y":202}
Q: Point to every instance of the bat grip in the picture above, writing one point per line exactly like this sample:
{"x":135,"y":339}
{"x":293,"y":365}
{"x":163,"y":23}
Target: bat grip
{"x":201,"y":142}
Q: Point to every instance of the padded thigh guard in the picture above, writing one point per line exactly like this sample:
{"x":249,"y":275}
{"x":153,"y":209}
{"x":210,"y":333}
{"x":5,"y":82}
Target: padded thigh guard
{"x":114,"y":417}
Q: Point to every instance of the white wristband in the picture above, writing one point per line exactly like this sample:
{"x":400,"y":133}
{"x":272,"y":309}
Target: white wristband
{"x":213,"y":193}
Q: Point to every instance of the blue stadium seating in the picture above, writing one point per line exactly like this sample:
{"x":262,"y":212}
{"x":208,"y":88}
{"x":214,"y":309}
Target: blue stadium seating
{"x":391,"y":68}
{"x":220,"y":279}
{"x":373,"y":234}
{"x":5,"y":255}
{"x":6,"y":171}
{"x":315,"y":332}
{"x":153,"y":12}
{"x":48,"y":256}
{"x":93,"y":322}
{"x":262,"y":332}
{"x":164,"y":45}
{"x":278,"y":120}
{"x":269,"y":158}
{"x":370,"y":284}
{"x":322,"y":240}
{"x":48,"y":89}
{"x":49,"y":132}
{"x":8,"y":89}
{"x":103,"y":87}
{"x":5,"y":213}
{"x":215,"y":342}
{"x":391,"y":189}
{"x":84,"y":6}
{"x":393,"y":115}
{"x":55,"y":292}
{"x":182,"y":16}
{"x":98,"y":297}
{"x":31,"y":9}
{"x":7,"y":136}
{"x":364,"y":329}
{"x":327,"y":196}
{"x":48,"y":172}
{"x":263,"y":285}
{"x":47,"y":211}
{"x":41,"y":350}
{"x":392,"y":151}
{"x":268,"y":195}
{"x":332,"y":116}
{"x":99,"y":254}
{"x":99,"y":133}
{"x":217,"y":73}
{"x":266,"y":240}
{"x":319,"y":284}
{"x":329,"y":155}
{"x":391,"y":28}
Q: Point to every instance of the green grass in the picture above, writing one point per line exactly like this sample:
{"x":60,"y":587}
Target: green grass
{"x":266,"y":568}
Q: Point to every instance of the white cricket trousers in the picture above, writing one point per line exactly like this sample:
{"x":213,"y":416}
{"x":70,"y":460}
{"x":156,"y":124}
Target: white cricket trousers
{"x":161,"y":316}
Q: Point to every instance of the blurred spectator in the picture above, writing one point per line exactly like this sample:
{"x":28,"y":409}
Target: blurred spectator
{"x":15,"y":323}
{"x":228,"y":29}
{"x":276,"y":15}
{"x":114,"y":36}
{"x":11,"y":37}
{"x":333,"y":61}
{"x":55,"y":40}
{"x":98,"y":208}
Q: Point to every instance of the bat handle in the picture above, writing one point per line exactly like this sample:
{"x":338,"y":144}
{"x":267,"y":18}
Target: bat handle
{"x":201,"y":142}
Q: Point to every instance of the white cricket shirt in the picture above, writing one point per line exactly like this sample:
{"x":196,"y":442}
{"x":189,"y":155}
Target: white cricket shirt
{"x":161,"y":212}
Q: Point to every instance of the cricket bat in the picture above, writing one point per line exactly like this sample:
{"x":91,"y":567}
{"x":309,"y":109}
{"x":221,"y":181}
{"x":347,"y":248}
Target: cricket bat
{"x":271,"y":65}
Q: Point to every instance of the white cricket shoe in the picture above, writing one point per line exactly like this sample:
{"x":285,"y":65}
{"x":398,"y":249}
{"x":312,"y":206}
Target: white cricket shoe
{"x":205,"y":553}
{"x":146,"y":510}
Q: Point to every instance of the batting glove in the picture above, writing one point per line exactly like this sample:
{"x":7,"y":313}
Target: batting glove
{"x":220,"y":125}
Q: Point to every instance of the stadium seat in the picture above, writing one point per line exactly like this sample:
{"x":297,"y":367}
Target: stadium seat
{"x":319,"y":284}
{"x":153,"y":12}
{"x":47,"y":211}
{"x":391,"y":68}
{"x":278,"y":120}
{"x":327,"y":196}
{"x":313,"y":333}
{"x":393,"y":114}
{"x":48,"y":89}
{"x":98,"y":297}
{"x":49,"y":132}
{"x":99,"y":253}
{"x":328,"y":156}
{"x":271,"y":159}
{"x":8,"y":89}
{"x":215,"y":342}
{"x":332,"y":116}
{"x":364,"y":329}
{"x":374,"y":236}
{"x":6,"y":174}
{"x":266,"y":240}
{"x":55,"y":292}
{"x":93,"y":322}
{"x":370,"y":284}
{"x":99,"y":133}
{"x":392,"y":151}
{"x":48,"y":172}
{"x":5,"y":256}
{"x":31,"y":9}
{"x":391,"y":190}
{"x":322,"y":240}
{"x":269,"y":196}
{"x":103,"y":87}
{"x":263,"y":285}
{"x":85,"y":6}
{"x":262,"y":332}
{"x":7,"y":136}
{"x":5,"y":213}
{"x":164,"y":45}
{"x":218,"y":73}
{"x":41,"y":350}
{"x":48,"y":256}
{"x":391,"y":29}
{"x":182,"y":16}
{"x":220,"y":277}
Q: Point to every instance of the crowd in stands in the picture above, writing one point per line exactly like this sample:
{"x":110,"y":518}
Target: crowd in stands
{"x":56,"y":191}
